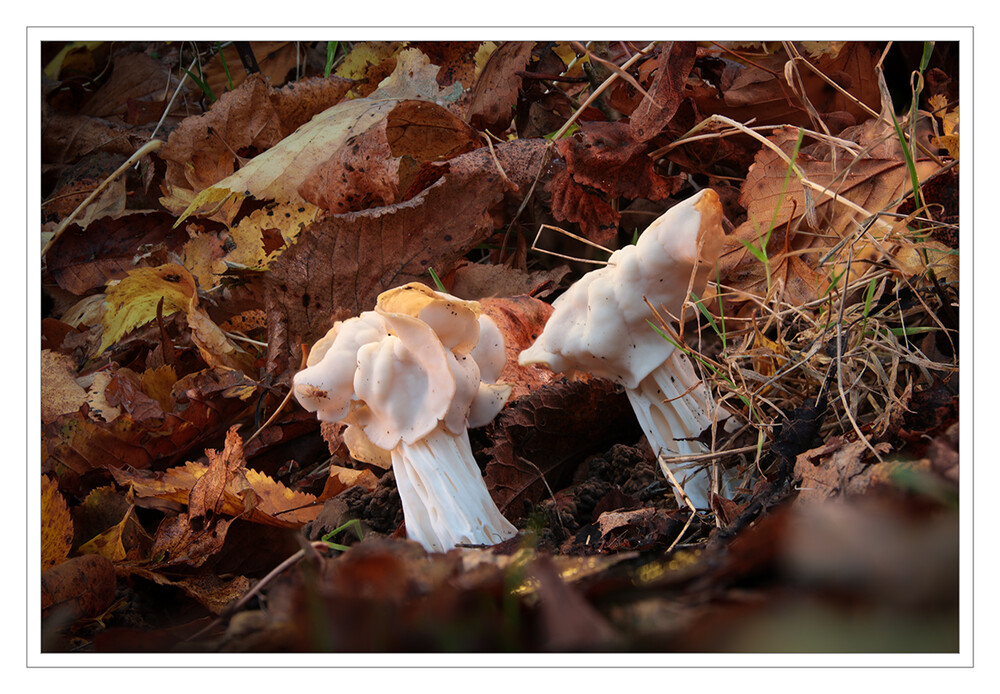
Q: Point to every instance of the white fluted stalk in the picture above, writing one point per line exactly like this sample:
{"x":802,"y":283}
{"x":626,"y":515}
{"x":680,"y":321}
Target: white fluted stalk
{"x":445,"y":501}
{"x":674,"y":407}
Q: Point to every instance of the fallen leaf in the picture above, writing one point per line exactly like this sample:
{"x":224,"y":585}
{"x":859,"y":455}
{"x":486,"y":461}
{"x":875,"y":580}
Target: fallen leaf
{"x":871,"y":184}
{"x":224,"y":493}
{"x":494,"y":95}
{"x":342,"y":478}
{"x":481,"y":280}
{"x":520,"y":320}
{"x":278,"y":173}
{"x":226,"y":473}
{"x":539,"y":438}
{"x":604,"y":157}
{"x":133,"y":301}
{"x":57,"y":525}
{"x":674,"y":64}
{"x":838,"y":467}
{"x":82,"y":260}
{"x":77,"y":588}
{"x":60,"y":394}
{"x":201,"y":405}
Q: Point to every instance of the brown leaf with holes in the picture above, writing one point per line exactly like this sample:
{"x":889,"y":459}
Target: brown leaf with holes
{"x":604,"y":158}
{"x":538,"y":439}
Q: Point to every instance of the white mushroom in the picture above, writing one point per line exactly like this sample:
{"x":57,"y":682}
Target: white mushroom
{"x":601,"y":325}
{"x":409,"y":378}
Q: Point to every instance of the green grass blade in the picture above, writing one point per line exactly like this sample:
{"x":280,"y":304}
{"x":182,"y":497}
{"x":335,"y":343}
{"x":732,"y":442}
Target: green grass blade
{"x":331,"y":51}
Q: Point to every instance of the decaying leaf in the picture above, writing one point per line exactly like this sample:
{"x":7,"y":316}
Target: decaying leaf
{"x":201,"y":404}
{"x":224,"y":487}
{"x":478,"y":281}
{"x":278,"y":173}
{"x":61,"y":394}
{"x":835,"y":468}
{"x":604,"y":157}
{"x":80,"y":587}
{"x":673,"y":67}
{"x":538,"y":438}
{"x":495,"y":93}
{"x":807,"y":223}
{"x":520,"y":320}
{"x":57,"y":525}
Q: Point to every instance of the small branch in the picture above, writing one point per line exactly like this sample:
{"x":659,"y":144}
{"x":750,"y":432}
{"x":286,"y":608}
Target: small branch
{"x":147,"y":148}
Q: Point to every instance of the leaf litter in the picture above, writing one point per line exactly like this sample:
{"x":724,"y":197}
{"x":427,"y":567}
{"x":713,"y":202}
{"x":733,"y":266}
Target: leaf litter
{"x":285,"y":200}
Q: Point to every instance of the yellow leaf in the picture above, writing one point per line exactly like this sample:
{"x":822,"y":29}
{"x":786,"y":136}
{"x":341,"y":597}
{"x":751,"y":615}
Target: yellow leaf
{"x":109,"y":543}
{"x":355,"y":63}
{"x":57,"y":525}
{"x":258,"y":235}
{"x":157,"y":384}
{"x":132,"y":302}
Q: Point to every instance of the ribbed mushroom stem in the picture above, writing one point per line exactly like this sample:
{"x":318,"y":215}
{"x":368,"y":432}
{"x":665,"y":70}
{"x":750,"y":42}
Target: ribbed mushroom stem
{"x":673,"y":406}
{"x":445,"y":501}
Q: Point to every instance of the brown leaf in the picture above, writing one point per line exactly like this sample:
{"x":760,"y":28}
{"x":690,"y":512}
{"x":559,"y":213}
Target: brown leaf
{"x":276,"y":505}
{"x":361,"y":174}
{"x":757,"y":89}
{"x":495,"y":92}
{"x":872,"y":184}
{"x":520,"y":320}
{"x":77,"y":588}
{"x":672,"y":69}
{"x":200,"y":405}
{"x":837,"y":467}
{"x":136,"y":76}
{"x":85,"y":259}
{"x":478,"y":280}
{"x":604,"y":157}
{"x":61,"y":394}
{"x":225,"y":470}
{"x":180,"y":544}
{"x":57,"y":525}
{"x":427,"y":132}
{"x":549,"y":431}
{"x":202,"y":150}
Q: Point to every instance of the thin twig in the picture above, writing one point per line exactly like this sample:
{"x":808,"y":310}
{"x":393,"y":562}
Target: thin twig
{"x":147,"y":148}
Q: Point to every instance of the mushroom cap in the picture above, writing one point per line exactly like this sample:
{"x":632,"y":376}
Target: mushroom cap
{"x":601,"y":323}
{"x":397,"y":373}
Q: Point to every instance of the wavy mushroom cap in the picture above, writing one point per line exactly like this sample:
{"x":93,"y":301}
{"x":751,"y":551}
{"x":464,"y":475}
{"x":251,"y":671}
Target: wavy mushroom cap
{"x":601,"y":323}
{"x":398,"y":373}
